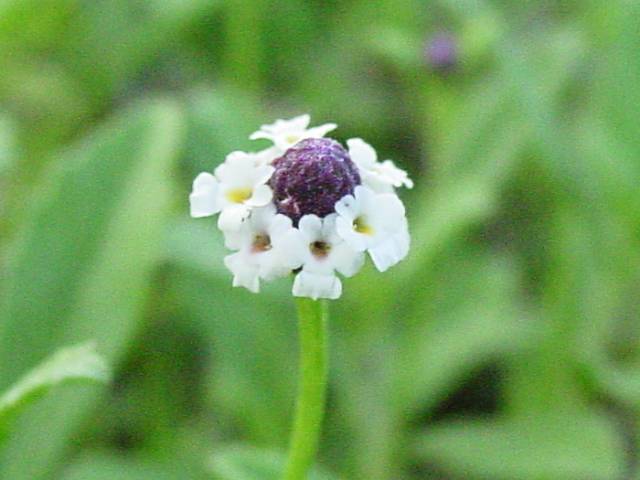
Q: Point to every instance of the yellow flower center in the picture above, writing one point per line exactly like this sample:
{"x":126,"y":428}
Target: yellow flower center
{"x":360,"y":225}
{"x":239,"y":195}
{"x":293,"y":138}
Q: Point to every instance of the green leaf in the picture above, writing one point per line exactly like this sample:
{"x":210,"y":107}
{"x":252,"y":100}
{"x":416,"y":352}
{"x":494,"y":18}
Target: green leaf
{"x":81,"y":265}
{"x":616,"y":91}
{"x":246,"y":463}
{"x":7,"y":143}
{"x":252,"y":379}
{"x":477,"y":320}
{"x":552,"y":447}
{"x":70,"y":364}
{"x":104,"y":466}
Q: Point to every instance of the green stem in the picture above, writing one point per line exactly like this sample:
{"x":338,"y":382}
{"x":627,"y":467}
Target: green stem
{"x":312,"y":324}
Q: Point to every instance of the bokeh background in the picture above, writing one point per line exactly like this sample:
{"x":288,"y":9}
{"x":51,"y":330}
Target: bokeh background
{"x":505,"y":347}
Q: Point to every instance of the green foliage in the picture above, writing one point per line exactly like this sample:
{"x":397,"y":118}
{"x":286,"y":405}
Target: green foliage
{"x":544,"y":448}
{"x":80,"y":363}
{"x":81,"y":265}
{"x":103,"y":466}
{"x":506,"y":346}
{"x":246,"y":463}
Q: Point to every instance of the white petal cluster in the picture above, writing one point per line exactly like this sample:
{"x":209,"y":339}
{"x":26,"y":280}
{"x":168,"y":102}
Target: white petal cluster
{"x":378,"y":176}
{"x":375,"y":223}
{"x":323,"y":253}
{"x":267,"y":245}
{"x":237,"y":186}
{"x":286,"y":133}
{"x":263,"y":244}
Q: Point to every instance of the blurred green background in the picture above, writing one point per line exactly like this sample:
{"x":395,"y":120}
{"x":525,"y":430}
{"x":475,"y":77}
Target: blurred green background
{"x":505,"y":347}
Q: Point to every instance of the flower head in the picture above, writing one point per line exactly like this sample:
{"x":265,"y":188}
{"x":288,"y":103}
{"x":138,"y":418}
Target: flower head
{"x":305,"y":206}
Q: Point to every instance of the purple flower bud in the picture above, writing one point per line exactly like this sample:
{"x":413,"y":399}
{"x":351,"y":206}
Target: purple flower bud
{"x":442,"y":52}
{"x":311,"y":177}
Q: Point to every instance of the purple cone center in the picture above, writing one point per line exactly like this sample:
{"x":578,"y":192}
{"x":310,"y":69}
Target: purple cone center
{"x":311,"y":177}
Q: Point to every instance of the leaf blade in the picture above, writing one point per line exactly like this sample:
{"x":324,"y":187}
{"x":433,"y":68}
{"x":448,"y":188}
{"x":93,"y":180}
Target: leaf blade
{"x":81,"y":362}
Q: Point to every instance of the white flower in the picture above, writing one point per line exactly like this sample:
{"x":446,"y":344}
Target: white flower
{"x":374,"y":222}
{"x":264,"y":249}
{"x":239,"y":184}
{"x":380,"y":177}
{"x":323,"y":253}
{"x":286,"y":133}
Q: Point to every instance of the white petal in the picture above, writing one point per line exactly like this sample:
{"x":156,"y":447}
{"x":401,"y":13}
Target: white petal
{"x":362,"y":153}
{"x":244,"y":273}
{"x":266,"y":156}
{"x":282,"y":127}
{"x":287,"y":243}
{"x":375,"y":182}
{"x":329,"y":233}
{"x":395,"y":175}
{"x":261,"y":218}
{"x":233,"y":216}
{"x":355,"y":240}
{"x":261,"y":174}
{"x":295,"y":248}
{"x":237,"y":169}
{"x":348,"y":207}
{"x":260,"y":134}
{"x":262,"y":195}
{"x":285,"y":141}
{"x":300,"y":122}
{"x":380,"y":177}
{"x":391,"y":251}
{"x":311,"y":227}
{"x":279,"y":226}
{"x":388,"y":213}
{"x":204,"y":199}
{"x":366,"y":198}
{"x":392,"y":204}
{"x":321,"y":131}
{"x":346,"y":260}
{"x":234,"y":240}
{"x":272,"y":264}
{"x":317,"y":286}
{"x":387,"y":173}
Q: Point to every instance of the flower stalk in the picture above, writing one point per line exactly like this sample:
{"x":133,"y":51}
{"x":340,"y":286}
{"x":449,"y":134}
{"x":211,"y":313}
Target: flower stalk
{"x":312,"y":321}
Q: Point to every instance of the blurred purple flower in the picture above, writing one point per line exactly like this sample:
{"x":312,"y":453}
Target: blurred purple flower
{"x":441,"y":52}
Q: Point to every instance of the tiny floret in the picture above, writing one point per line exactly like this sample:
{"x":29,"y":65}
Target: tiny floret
{"x":286,"y":133}
{"x":307,"y":207}
{"x":238,"y":185}
{"x":380,"y":177}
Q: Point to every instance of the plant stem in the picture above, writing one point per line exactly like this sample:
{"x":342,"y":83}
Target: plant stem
{"x":312,"y":327}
